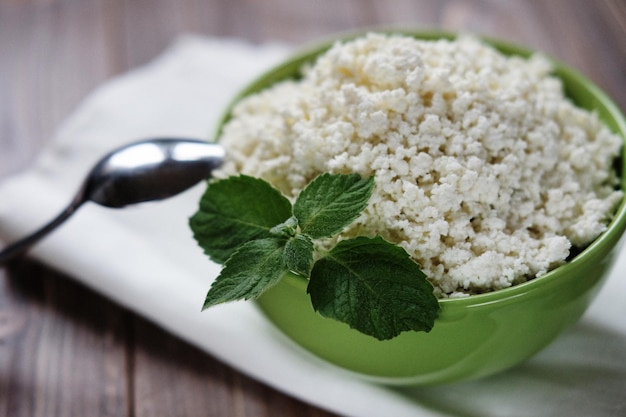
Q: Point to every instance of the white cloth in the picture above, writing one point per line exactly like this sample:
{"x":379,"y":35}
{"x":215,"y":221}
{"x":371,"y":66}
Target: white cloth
{"x":144,"y":258}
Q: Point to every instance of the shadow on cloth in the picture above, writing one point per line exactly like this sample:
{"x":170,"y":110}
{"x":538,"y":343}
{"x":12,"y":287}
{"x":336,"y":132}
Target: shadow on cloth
{"x":583,"y":373}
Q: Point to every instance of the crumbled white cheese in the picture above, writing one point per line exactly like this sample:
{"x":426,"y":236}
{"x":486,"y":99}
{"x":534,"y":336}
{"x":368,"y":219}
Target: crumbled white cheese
{"x":485,"y":173}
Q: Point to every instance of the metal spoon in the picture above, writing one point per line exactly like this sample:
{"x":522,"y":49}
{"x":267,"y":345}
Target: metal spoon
{"x":147,"y":170}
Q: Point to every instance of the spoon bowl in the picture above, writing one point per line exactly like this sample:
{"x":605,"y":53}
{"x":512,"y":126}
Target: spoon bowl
{"x":148,"y":170}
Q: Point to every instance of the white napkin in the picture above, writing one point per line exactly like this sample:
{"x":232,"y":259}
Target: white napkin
{"x":144,"y":258}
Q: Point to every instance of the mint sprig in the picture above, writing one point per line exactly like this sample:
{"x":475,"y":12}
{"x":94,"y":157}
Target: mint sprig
{"x":368,"y":283}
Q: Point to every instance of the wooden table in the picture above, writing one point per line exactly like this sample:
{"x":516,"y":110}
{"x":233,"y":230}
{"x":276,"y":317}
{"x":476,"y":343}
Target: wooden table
{"x":66,"y":351}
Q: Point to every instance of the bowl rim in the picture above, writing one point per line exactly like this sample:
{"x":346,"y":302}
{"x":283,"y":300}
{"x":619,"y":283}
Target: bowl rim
{"x":569,"y":76}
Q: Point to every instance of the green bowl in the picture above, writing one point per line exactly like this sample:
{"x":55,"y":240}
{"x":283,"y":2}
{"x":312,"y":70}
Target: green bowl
{"x":473,"y":336}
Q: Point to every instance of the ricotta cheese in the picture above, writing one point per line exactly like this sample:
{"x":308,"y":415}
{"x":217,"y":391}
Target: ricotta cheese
{"x":486,"y":174}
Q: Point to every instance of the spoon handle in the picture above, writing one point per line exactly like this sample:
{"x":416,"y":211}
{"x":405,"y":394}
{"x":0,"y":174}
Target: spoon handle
{"x":22,"y":245}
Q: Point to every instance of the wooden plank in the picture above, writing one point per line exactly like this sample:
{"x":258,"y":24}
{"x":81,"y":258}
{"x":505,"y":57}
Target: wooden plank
{"x":62,"y":347}
{"x":53,"y":55}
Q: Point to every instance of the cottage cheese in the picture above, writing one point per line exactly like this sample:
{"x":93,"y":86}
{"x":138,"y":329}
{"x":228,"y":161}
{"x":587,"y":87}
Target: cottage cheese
{"x":485,"y":173}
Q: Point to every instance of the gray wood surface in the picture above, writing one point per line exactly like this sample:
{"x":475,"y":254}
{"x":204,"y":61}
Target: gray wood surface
{"x":66,"y":351}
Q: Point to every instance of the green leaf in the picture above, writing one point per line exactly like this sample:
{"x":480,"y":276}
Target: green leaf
{"x":331,"y":202}
{"x":234,"y":211}
{"x":253,"y":268}
{"x":299,"y":254}
{"x":373,"y":286}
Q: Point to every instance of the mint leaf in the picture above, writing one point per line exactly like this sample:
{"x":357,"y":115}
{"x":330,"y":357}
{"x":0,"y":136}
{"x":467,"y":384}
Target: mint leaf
{"x":234,"y":211}
{"x":299,"y":254}
{"x":253,"y":268}
{"x":373,"y":286}
{"x":331,"y":202}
